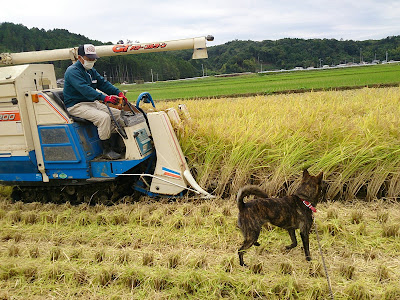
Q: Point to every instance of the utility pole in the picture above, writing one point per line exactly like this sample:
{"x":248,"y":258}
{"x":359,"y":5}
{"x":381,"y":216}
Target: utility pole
{"x":151,"y":70}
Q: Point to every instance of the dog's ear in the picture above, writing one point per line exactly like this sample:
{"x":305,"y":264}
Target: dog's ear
{"x":320,"y":176}
{"x":305,"y":173}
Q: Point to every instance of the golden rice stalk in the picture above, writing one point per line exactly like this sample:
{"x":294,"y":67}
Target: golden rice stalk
{"x":352,"y":136}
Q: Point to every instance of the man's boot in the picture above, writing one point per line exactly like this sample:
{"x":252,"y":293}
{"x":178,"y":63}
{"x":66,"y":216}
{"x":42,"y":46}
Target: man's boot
{"x":116,"y":143}
{"x":108,"y":152}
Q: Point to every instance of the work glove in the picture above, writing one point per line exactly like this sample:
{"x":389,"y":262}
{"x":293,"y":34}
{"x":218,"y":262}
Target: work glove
{"x":121,"y":95}
{"x":111,"y":99}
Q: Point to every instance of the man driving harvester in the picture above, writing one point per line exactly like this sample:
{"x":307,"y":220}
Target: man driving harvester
{"x":83,"y":100}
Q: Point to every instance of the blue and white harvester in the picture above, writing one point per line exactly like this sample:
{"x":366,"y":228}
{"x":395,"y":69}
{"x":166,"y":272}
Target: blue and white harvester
{"x":48,"y":155}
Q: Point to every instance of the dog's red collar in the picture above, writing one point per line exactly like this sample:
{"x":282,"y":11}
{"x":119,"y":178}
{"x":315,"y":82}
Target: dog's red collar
{"x":309,"y":205}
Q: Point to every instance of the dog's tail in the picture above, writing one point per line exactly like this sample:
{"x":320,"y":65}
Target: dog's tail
{"x":247,"y":191}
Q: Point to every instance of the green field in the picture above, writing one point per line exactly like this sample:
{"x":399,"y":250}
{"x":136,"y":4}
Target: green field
{"x":261,"y":84}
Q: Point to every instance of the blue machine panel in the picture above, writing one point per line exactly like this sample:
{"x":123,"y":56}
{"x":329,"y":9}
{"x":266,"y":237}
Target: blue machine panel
{"x":58,"y":145}
{"x":19,"y":168}
{"x":68,"y":153}
{"x":68,"y":148}
{"x":143,"y":141}
{"x":106,"y":169}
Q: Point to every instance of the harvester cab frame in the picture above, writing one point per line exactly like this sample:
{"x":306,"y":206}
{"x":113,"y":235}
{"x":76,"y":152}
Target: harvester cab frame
{"x":48,"y":155}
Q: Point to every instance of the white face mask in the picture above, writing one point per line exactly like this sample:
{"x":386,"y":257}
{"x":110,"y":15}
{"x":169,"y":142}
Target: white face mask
{"x":88,"y":64}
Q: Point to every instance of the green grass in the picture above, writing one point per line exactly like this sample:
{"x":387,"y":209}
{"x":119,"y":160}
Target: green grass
{"x":161,"y":250}
{"x":269,"y":83}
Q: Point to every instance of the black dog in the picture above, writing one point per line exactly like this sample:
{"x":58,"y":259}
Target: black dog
{"x":290,"y":212}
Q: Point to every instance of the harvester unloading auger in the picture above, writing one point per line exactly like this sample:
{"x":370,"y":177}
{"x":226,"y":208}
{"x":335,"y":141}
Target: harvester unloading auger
{"x":48,"y":155}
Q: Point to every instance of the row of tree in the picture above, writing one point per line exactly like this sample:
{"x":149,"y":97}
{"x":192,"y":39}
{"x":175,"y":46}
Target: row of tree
{"x":232,"y":57}
{"x":163,"y":66}
{"x":240,"y":56}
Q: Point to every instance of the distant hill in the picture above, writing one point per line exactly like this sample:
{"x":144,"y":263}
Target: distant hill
{"x":232,"y":57}
{"x":241,"y":56}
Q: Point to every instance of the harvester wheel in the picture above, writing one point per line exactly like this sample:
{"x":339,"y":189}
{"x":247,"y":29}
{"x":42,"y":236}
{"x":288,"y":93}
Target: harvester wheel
{"x":16,"y":194}
{"x":70,"y":190}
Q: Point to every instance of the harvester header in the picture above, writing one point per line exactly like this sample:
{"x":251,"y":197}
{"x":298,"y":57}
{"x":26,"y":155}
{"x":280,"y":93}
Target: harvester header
{"x":197,"y":44}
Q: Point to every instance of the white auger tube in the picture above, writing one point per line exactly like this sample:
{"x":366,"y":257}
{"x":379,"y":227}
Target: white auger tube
{"x":198,"y":45}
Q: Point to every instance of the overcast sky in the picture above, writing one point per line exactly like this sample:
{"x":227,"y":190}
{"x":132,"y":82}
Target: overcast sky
{"x":226,"y":20}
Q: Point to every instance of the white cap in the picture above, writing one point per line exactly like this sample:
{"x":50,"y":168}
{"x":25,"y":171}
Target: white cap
{"x":87,"y":50}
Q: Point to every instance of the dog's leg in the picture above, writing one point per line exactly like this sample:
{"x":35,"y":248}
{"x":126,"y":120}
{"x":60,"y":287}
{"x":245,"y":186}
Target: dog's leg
{"x":250,"y":239}
{"x":292,"y":234}
{"x":306,"y":244}
{"x":246,"y":245}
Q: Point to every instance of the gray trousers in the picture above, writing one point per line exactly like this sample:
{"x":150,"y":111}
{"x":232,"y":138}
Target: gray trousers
{"x":97,"y":113}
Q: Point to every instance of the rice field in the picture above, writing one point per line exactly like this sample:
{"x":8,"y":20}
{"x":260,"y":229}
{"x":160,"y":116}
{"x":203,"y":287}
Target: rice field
{"x":149,"y":249}
{"x":187,"y":249}
{"x":352,"y":136}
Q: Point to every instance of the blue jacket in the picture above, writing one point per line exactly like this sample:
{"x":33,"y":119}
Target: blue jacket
{"x":80,"y":85}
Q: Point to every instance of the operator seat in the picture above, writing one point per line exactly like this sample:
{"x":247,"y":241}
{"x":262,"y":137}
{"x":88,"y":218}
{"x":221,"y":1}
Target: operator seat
{"x":58,"y":97}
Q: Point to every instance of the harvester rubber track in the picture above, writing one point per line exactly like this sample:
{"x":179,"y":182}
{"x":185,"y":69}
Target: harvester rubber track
{"x":95,"y":193}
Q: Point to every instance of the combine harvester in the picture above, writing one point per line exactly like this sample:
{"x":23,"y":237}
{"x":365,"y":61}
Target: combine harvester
{"x":50,"y":156}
